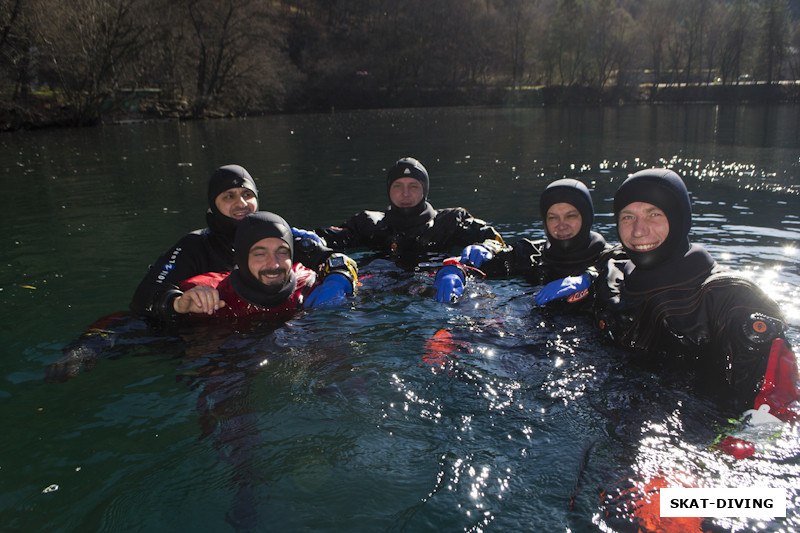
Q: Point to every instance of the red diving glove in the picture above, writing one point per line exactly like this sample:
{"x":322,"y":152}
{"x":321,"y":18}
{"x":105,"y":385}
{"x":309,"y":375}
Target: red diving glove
{"x":781,"y":389}
{"x":440,"y":347}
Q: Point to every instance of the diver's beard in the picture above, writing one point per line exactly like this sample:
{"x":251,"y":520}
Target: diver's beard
{"x":274,"y":285}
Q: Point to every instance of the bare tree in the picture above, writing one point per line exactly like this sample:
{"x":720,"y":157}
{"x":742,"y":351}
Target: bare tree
{"x":773,"y":38}
{"x":460,"y":47}
{"x":736,"y":22}
{"x":16,"y":45}
{"x":794,"y":55}
{"x":655,"y":26}
{"x":609,"y":41}
{"x":694,"y":24}
{"x":166,"y":39}
{"x":569,"y":41}
{"x":9,"y":14}
{"x":237,"y":55}
{"x":86,"y":42}
{"x":516,"y":28}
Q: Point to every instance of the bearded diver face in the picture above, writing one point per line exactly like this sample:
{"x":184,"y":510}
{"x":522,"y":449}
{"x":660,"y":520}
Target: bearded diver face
{"x":264,"y":251}
{"x":270,"y":263}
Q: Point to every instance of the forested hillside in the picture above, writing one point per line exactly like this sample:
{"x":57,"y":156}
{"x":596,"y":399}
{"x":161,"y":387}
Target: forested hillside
{"x":83,"y":59}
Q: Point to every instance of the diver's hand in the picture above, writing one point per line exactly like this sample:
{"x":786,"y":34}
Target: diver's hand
{"x":332,"y":291}
{"x":199,"y":299}
{"x":305,"y":234}
{"x":70,"y":364}
{"x":476,"y":255}
{"x":449,"y":284}
{"x":82,"y":353}
{"x":562,"y":288}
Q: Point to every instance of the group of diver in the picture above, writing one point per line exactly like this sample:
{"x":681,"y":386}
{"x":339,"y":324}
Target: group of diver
{"x":655,"y":292}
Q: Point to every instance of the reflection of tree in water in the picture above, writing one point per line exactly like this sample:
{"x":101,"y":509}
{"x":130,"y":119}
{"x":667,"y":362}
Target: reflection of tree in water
{"x":230,"y":365}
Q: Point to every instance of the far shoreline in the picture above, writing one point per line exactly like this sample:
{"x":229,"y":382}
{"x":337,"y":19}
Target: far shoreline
{"x":38,"y":112}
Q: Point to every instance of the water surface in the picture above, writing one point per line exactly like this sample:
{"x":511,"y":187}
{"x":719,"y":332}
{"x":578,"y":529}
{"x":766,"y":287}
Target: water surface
{"x":337,"y":420}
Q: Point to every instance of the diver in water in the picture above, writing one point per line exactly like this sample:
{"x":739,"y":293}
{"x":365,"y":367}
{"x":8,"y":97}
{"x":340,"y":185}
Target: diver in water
{"x":569,"y":250}
{"x":267,"y":285}
{"x":670,"y":300}
{"x":232,"y":194}
{"x":410,"y":229}
{"x":266,"y":282}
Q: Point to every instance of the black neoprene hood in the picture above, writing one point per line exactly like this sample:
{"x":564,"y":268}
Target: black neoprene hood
{"x":228,"y":177}
{"x":408,"y":167}
{"x":251,"y":229}
{"x":257,"y":226}
{"x":666,"y":190}
{"x":576,"y":194}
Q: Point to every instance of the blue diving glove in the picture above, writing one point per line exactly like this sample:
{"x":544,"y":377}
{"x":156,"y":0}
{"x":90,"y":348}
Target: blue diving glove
{"x":304,"y":234}
{"x":475,"y":255}
{"x":449,"y":284}
{"x":331,"y":291}
{"x":561,"y":288}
